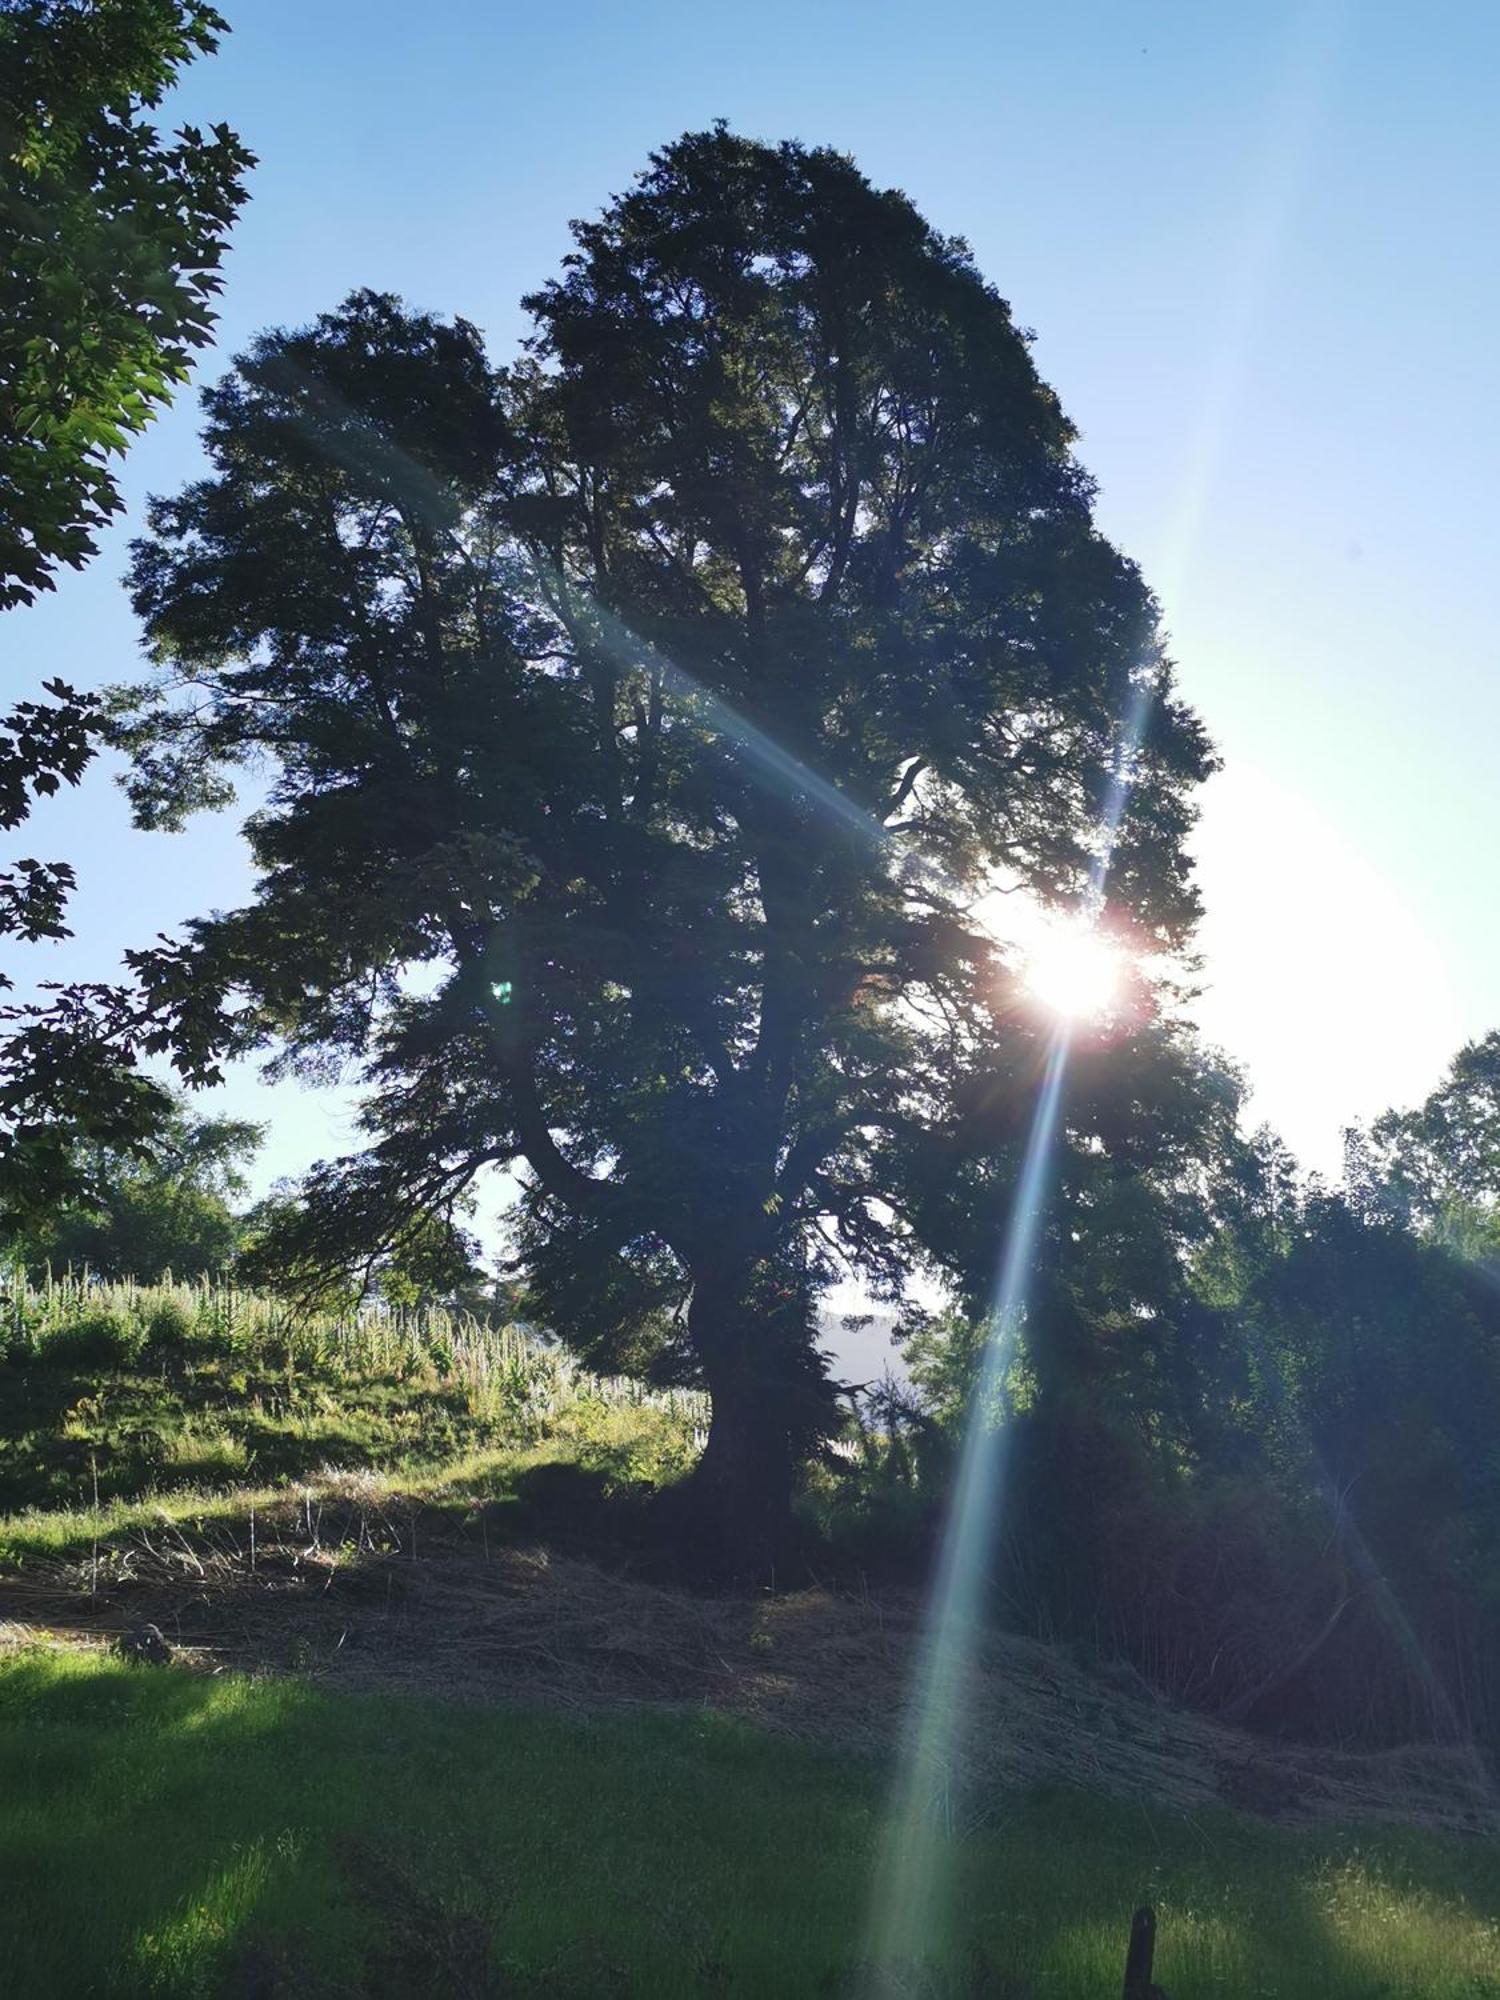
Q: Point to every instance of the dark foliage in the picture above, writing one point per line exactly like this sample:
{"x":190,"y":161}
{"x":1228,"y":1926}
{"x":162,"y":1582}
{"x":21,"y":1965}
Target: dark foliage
{"x":669,"y":697}
{"x":1279,"y":1494}
{"x":43,"y":746}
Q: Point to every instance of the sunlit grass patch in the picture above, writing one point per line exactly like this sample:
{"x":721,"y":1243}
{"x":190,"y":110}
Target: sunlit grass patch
{"x":171,"y":1954}
{"x":1201,"y":1950}
{"x":54,"y":1532}
{"x":1398,"y":1927}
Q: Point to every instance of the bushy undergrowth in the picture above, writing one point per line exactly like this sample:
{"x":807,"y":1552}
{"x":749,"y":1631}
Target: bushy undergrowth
{"x":1247,"y":1590}
{"x":110,"y":1392}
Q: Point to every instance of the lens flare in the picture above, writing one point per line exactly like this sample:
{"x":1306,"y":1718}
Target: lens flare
{"x":906,"y":1914}
{"x":1077,"y":974}
{"x":1074,"y":970}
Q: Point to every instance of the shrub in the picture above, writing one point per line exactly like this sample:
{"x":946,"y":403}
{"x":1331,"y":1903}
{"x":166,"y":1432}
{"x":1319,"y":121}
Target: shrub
{"x":97,"y":1337}
{"x":169,"y":1327}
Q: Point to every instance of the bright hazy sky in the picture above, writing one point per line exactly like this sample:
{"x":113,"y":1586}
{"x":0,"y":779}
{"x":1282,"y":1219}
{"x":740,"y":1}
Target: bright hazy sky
{"x":1256,"y":242}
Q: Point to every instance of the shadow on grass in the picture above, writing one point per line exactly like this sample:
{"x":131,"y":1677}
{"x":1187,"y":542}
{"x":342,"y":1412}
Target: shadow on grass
{"x":184,"y":1835}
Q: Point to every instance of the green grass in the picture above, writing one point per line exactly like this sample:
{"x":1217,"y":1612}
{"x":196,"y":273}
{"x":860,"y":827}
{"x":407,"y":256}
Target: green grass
{"x":162,"y":1833}
{"x":623,"y":1450}
{"x":119,"y":1400}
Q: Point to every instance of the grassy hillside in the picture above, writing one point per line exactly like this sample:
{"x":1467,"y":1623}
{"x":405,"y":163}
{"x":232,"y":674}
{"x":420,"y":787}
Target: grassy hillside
{"x":119,"y":1396}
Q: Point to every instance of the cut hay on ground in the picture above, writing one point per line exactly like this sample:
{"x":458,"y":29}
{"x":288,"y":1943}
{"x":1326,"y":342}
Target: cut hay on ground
{"x":364,"y":1589}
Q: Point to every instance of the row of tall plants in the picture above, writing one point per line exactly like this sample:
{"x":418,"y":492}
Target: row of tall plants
{"x":75,"y":1320}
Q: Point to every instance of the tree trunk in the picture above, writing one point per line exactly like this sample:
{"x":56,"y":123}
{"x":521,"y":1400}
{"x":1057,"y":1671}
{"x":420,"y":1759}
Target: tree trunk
{"x":741,"y":1490}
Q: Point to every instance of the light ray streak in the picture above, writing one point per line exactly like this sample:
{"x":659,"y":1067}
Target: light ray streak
{"x":784,"y":767}
{"x":911,"y":1883}
{"x":347,"y":438}
{"x":1280,"y":172}
{"x":923,"y":1809}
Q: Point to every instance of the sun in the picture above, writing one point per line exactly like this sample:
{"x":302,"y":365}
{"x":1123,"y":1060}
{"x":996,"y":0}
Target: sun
{"x":1073,"y":969}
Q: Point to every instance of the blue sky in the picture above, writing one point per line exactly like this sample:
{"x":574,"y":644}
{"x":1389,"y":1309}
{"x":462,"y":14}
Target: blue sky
{"x":1256,"y":244}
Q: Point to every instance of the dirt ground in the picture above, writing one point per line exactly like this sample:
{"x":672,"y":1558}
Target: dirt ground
{"x":368,"y":1592}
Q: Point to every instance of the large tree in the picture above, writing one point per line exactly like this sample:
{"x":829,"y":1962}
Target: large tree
{"x":643,"y":722}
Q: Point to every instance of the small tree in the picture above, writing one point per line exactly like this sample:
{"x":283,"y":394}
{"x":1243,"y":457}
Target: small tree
{"x":670,"y":698}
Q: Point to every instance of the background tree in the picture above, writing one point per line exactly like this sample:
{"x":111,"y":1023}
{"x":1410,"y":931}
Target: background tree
{"x":141,"y":1213}
{"x":1376,"y":1353}
{"x":1249,"y":1420}
{"x":1438,"y":1167}
{"x":671,"y":698}
{"x":432,"y":1260}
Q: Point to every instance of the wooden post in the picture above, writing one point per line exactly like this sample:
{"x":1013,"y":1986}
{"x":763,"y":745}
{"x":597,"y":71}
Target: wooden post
{"x":1139,"y":1958}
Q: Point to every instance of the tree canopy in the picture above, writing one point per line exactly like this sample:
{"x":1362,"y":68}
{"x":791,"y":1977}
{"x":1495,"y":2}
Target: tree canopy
{"x":1438,"y":1166}
{"x":646,"y":720}
{"x":112,"y":239}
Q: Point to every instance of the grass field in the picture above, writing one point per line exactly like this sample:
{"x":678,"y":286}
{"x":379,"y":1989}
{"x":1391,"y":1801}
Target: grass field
{"x":166,"y":1833}
{"x":178,"y":1832}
